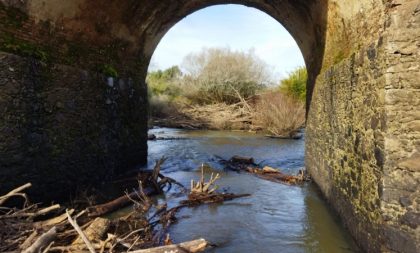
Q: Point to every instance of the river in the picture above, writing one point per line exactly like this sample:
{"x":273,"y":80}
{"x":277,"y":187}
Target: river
{"x":276,"y":218}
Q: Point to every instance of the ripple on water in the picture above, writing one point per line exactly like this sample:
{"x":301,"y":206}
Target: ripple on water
{"x":276,"y":218}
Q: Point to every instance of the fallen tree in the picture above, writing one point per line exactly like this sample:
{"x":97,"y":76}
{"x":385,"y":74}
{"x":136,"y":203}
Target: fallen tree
{"x":247,"y":164}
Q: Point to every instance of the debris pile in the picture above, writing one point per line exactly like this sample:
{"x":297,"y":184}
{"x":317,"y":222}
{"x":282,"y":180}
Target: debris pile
{"x":247,"y":164}
{"x":32,"y":228}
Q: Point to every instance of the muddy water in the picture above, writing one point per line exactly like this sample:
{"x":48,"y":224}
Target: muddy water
{"x":276,"y":218}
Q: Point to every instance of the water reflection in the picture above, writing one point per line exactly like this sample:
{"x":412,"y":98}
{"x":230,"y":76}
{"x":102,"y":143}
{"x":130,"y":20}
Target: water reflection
{"x":276,"y":218}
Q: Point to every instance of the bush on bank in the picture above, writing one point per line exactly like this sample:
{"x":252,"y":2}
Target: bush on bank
{"x":295,"y":84}
{"x":221,"y":77}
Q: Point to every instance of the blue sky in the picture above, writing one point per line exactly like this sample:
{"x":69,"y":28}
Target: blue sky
{"x":234,"y":26}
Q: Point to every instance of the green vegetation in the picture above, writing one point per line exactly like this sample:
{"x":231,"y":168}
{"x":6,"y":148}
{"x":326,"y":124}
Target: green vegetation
{"x":165,"y":82}
{"x":12,"y":45}
{"x":295,"y":84}
{"x":108,"y":70}
{"x":224,"y":89}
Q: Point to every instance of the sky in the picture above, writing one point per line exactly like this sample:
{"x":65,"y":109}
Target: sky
{"x":234,"y":26}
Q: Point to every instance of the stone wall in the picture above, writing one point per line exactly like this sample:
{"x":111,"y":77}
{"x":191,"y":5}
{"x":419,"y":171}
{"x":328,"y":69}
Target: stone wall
{"x":74,"y":104}
{"x":400,"y":203}
{"x":345,"y":143}
{"x":62,"y":127}
{"x":362,"y":132}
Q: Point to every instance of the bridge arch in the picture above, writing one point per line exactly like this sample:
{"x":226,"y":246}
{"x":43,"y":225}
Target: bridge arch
{"x":305,"y":21}
{"x":73,"y":95}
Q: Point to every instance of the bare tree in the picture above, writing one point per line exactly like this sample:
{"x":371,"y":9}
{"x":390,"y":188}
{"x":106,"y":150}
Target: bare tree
{"x":222,"y":75}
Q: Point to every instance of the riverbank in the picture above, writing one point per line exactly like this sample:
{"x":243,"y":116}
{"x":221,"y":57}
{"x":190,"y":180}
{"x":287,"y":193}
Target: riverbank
{"x":272,"y":114}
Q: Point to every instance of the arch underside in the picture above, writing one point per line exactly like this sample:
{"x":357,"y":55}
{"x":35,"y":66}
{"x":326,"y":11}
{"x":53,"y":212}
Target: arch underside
{"x":62,"y":118}
{"x":305,"y":21}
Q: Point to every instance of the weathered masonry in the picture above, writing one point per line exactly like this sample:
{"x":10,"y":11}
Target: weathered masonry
{"x":73,"y":99}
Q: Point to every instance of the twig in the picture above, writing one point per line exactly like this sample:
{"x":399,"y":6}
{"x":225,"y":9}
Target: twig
{"x":27,"y":214}
{"x":80,"y":232}
{"x":15,"y":192}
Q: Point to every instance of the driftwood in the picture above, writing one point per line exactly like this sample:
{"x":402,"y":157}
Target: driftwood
{"x":15,"y":192}
{"x":80,"y":232}
{"x":53,"y":221}
{"x":198,"y":199}
{"x":152,"y":137}
{"x":242,"y":160}
{"x":24,"y":229}
{"x":117,"y":203}
{"x":208,"y":117}
{"x":286,"y":137}
{"x":275,"y":175}
{"x":27,"y":243}
{"x":32,"y":214}
{"x":247,"y":164}
{"x":95,"y":231}
{"x":149,"y":183}
{"x":43,"y":241}
{"x":203,"y":192}
{"x":185,"y":247}
{"x":202,"y":187}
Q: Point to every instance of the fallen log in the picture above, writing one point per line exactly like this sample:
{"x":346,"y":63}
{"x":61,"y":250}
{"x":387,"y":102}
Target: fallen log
{"x":247,"y":164}
{"x":190,"y":247}
{"x":286,"y":137}
{"x":150,"y":180}
{"x":94,"y":232}
{"x":42,"y":242}
{"x":117,"y":203}
{"x":80,"y":232}
{"x":151,"y":137}
{"x":198,"y":199}
{"x":242,"y":160}
{"x":277,"y":176}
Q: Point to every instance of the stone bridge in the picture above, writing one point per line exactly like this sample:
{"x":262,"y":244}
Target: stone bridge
{"x":73,"y":99}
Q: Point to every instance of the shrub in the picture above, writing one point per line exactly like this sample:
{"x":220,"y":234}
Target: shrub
{"x":295,"y":84}
{"x":278,"y":114}
{"x":164,"y":82}
{"x":162,"y":107}
{"x":223,"y":76}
